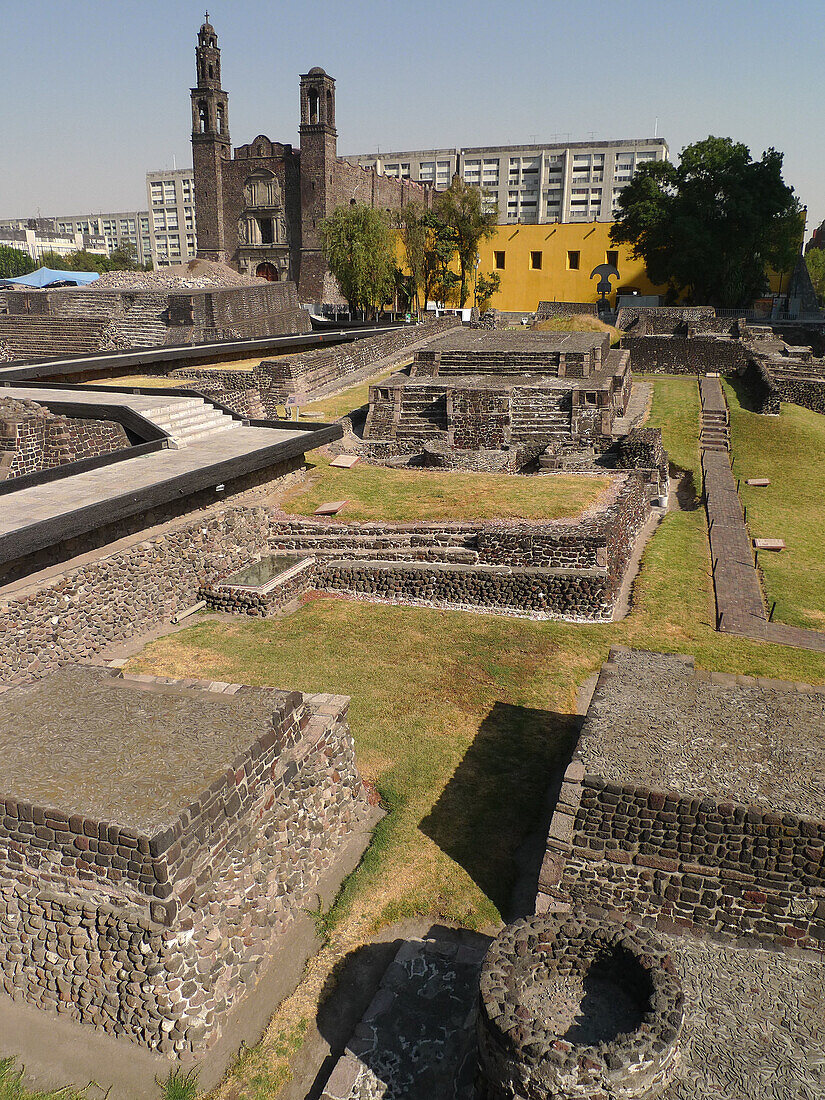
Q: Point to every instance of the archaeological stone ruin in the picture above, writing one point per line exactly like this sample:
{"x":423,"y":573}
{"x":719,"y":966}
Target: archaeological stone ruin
{"x":152,"y":864}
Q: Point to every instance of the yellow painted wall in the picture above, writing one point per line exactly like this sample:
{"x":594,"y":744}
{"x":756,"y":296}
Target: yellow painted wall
{"x":522,"y":287}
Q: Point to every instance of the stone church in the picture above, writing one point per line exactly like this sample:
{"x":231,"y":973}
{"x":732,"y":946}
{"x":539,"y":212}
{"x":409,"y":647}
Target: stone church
{"x":260,"y":208}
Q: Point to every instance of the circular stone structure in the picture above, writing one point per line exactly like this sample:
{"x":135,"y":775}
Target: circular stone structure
{"x":574,"y":1005}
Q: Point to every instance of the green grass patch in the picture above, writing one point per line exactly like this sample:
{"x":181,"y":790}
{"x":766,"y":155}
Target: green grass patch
{"x":675,"y":410}
{"x":380,"y":494}
{"x":13,"y":1088}
{"x":790,"y":450}
{"x":341,"y":404}
{"x":461,"y":721}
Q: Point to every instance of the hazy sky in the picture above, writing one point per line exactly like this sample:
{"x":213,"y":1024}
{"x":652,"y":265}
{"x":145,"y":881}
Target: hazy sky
{"x":95,"y":92}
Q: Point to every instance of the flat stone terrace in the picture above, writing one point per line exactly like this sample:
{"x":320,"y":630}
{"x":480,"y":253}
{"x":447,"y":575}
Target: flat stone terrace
{"x":82,"y":741}
{"x":41,"y":515}
{"x":660,"y":723}
{"x":467,"y":339}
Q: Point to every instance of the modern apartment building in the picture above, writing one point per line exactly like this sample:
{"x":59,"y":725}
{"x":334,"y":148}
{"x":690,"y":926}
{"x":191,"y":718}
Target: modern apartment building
{"x":171,"y":197}
{"x":568,"y":182}
{"x":37,"y":236}
{"x":123,"y":229}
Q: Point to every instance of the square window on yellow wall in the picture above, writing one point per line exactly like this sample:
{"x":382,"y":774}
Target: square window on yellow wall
{"x":499,"y":258}
{"x":612,"y":257}
{"x":535,"y":261}
{"x":573,"y":261}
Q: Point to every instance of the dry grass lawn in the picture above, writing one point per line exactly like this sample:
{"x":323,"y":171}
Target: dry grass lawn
{"x":380,"y":494}
{"x":460,"y":720}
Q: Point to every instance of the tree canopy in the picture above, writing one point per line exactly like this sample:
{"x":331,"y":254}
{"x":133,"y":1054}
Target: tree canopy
{"x":14,"y":262}
{"x":359,"y":247}
{"x":815,"y":259}
{"x":711,"y":226}
{"x":460,"y":211}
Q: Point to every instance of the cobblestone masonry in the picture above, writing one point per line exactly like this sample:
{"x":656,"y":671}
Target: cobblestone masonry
{"x":571,"y":568}
{"x":32,"y":438}
{"x":153,"y":931}
{"x":577,"y":1006}
{"x":74,"y":615}
{"x":696,"y":801}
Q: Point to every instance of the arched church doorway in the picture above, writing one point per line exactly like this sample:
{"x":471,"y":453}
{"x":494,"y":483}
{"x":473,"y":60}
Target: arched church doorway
{"x":268,"y":272}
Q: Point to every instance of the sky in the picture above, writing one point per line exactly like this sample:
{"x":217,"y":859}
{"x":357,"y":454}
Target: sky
{"x":96,"y":92}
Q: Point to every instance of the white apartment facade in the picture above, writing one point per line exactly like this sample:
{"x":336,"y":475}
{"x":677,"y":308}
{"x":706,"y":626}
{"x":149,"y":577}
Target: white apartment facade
{"x":37,"y":239}
{"x":564,"y":182}
{"x":171,"y":196}
{"x":124,"y":229}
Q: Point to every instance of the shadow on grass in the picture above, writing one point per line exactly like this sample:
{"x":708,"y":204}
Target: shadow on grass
{"x":492,"y":816}
{"x":745,"y":393}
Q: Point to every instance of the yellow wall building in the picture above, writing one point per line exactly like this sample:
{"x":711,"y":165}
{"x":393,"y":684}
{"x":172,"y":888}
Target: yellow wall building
{"x":552,"y":262}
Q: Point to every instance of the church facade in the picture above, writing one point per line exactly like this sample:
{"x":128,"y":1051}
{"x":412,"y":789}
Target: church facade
{"x":260,"y":208}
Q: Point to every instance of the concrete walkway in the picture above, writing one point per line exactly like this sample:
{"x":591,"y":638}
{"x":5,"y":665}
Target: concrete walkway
{"x":42,"y":515}
{"x":740,"y":607}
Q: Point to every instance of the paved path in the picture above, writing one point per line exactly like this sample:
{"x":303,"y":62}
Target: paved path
{"x":740,"y":607}
{"x":41,"y":515}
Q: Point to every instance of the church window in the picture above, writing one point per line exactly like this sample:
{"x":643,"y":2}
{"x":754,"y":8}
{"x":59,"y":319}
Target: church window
{"x":203,"y":117}
{"x":312,"y":100}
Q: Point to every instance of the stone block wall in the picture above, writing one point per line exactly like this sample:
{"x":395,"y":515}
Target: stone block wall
{"x":72,"y":616}
{"x":762,"y":387}
{"x":548,"y":310}
{"x":698,"y":861}
{"x":576,"y":594}
{"x":155,"y":936}
{"x":683,"y":859}
{"x":33,"y":439}
{"x":330,"y":366}
{"x":664,"y":320}
{"x":685,"y":355}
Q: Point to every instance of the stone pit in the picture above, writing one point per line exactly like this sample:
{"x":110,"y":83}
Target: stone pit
{"x":577,"y":1006}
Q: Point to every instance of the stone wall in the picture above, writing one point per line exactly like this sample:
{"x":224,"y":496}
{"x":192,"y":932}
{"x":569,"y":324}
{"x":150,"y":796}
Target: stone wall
{"x":77,"y":321}
{"x":698,"y":861}
{"x":154,"y":936}
{"x":664,"y":320}
{"x":32,"y":438}
{"x":761,"y":386}
{"x":698,"y":354}
{"x":335,"y":366}
{"x":72,"y":616}
{"x":548,"y":310}
{"x":682,"y":858}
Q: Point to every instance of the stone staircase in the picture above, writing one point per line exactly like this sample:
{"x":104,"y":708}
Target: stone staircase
{"x":28,"y":337}
{"x":335,"y":542}
{"x":533,"y":420}
{"x":190,"y":420}
{"x":714,"y":434}
{"x":423,"y":413}
{"x":497,"y":363}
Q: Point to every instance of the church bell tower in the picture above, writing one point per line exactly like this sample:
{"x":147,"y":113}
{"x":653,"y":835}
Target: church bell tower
{"x":210,"y":144}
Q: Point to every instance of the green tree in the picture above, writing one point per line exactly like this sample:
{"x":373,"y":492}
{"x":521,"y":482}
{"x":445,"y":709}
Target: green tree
{"x":440,"y":282}
{"x":460,"y":209}
{"x":123,"y":258}
{"x":14,"y":262}
{"x":486,"y":286}
{"x":411,"y":221}
{"x":711,"y":226}
{"x":54,"y":261}
{"x":815,"y":259}
{"x":359,"y":247}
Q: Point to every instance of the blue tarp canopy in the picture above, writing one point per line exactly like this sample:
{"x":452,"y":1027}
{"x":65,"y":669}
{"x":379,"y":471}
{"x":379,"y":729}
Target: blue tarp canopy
{"x":45,"y":276}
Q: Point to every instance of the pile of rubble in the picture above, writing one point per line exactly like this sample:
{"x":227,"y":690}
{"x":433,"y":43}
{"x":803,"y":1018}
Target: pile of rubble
{"x":196,"y":274}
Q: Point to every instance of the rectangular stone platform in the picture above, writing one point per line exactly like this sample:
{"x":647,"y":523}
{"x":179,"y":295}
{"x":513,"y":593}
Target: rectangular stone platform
{"x":695,"y":800}
{"x":158,"y":839}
